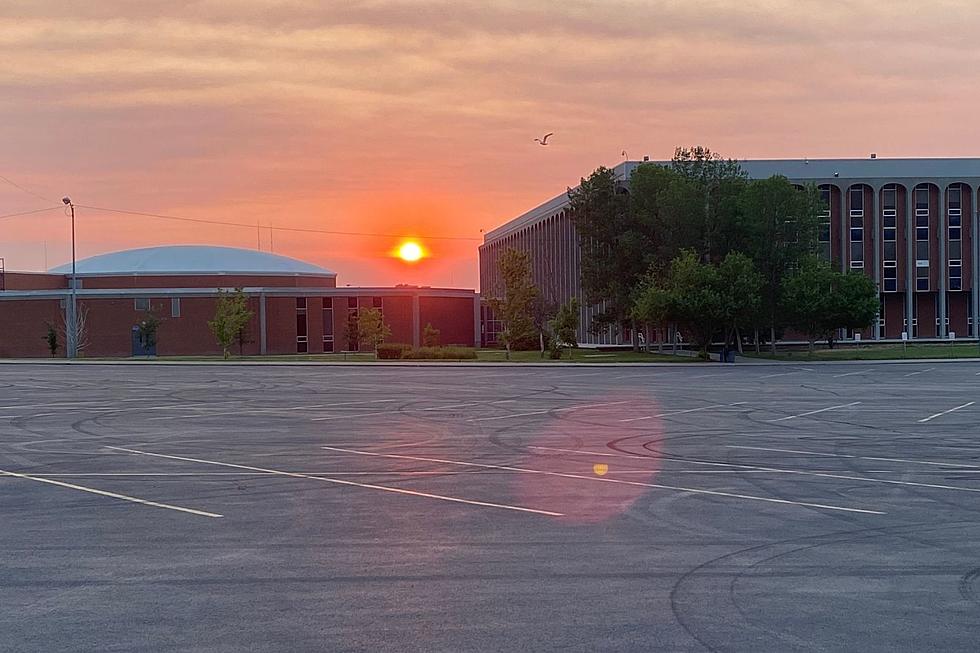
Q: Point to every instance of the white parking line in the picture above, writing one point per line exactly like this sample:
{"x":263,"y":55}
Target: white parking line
{"x":113,"y":495}
{"x":842,"y":455}
{"x":681,"y":412}
{"x":814,"y":412}
{"x":919,"y":372}
{"x":945,"y":412}
{"x":603,"y":479}
{"x":797,"y":371}
{"x":837,"y":376}
{"x":325,"y":479}
{"x":589,"y":453}
{"x":544,"y":412}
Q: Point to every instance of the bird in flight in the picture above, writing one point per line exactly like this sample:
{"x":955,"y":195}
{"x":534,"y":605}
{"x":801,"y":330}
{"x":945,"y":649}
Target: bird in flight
{"x":544,"y":141}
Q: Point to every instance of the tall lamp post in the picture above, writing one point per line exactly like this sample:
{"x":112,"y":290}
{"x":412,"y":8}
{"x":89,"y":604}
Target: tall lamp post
{"x":71,"y":334}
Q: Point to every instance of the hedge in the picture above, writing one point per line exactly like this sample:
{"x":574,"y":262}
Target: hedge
{"x":440,"y":353}
{"x":392,"y":350}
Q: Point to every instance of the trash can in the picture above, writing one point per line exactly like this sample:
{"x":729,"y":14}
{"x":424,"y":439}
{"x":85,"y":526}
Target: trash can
{"x":729,"y":355}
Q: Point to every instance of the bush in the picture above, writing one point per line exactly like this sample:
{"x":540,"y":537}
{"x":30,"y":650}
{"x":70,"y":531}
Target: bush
{"x":392,"y":351}
{"x":430,"y":336}
{"x":440,"y":353}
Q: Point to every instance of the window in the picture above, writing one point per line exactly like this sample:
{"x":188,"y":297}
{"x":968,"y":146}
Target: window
{"x":302,"y":339}
{"x":175,"y":307}
{"x":955,"y":200}
{"x":922,"y":276}
{"x":376,"y":302}
{"x":857,"y":201}
{"x":955,"y":274}
{"x":954,"y":233}
{"x":352,"y":302}
{"x":823,"y":234}
{"x":327,"y":324}
{"x":922,"y":201}
{"x":857,"y":234}
{"x":890,"y":276}
{"x":888,"y":200}
{"x":890,"y":234}
{"x":857,"y":265}
{"x":142,"y":303}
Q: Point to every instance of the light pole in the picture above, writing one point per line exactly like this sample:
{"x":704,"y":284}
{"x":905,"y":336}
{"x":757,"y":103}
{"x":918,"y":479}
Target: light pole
{"x":71,"y":330}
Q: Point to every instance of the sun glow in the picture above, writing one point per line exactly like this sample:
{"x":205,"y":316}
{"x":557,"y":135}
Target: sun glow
{"x":410,"y":251}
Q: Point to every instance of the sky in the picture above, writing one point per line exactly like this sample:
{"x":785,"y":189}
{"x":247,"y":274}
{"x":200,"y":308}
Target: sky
{"x":417,"y":118}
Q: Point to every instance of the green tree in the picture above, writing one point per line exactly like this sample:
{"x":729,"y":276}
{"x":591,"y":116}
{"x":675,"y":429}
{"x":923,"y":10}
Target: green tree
{"x":818,"y":300}
{"x":147,"y":331}
{"x":430,"y":336}
{"x":352,"y":331}
{"x":516,"y":308}
{"x":231,"y":315}
{"x":739,"y":287}
{"x":616,"y":249}
{"x":52,"y":339}
{"x":565,"y":325}
{"x":778,"y":230}
{"x":372,"y":327}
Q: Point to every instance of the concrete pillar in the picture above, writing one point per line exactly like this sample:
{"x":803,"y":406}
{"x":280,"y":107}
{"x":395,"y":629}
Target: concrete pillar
{"x":263,"y":344}
{"x":909,"y":259}
{"x":974,"y":262}
{"x":876,"y":256}
{"x":845,"y":229}
{"x":416,"y":329}
{"x":476,"y":321}
{"x":941,"y":286}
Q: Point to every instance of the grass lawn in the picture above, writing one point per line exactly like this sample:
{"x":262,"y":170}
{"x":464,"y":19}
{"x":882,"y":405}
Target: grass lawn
{"x":878,"y":352}
{"x":483,"y":355}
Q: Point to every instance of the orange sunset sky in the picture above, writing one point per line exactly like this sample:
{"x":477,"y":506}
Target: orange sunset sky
{"x":416,"y":118}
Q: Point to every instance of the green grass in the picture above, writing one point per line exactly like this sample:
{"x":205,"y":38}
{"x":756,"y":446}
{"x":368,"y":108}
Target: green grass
{"x":877,"y":352}
{"x":483,"y":355}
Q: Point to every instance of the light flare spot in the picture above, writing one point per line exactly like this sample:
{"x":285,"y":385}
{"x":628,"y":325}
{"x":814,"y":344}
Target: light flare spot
{"x":600,"y":469}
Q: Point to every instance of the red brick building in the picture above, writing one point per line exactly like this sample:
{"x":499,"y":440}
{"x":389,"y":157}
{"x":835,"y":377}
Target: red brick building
{"x":297,"y":307}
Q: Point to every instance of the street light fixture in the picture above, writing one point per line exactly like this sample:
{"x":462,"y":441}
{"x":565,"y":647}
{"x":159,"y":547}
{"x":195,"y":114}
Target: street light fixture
{"x":71,"y":334}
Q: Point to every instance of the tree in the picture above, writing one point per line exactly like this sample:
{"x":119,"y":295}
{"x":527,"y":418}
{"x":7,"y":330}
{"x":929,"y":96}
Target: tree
{"x":516,"y":307}
{"x":616,"y":249}
{"x":352,"y":331}
{"x":739,"y":287}
{"x":372,"y":327}
{"x":52,"y":339}
{"x":817,"y":300}
{"x":779,"y":230}
{"x":430,"y":336}
{"x":147,"y":331}
{"x":565,"y":324}
{"x":231,"y":315}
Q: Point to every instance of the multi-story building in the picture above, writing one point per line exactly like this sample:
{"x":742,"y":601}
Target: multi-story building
{"x":907,"y":223}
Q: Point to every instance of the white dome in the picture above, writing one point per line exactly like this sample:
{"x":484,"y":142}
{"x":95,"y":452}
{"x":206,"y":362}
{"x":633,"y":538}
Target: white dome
{"x":191,"y":259}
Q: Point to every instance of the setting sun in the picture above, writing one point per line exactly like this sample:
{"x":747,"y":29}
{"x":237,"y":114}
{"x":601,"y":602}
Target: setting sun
{"x":410,"y":251}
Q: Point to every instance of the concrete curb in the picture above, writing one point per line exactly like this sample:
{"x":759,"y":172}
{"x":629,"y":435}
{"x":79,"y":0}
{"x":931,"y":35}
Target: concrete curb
{"x":741,"y":363}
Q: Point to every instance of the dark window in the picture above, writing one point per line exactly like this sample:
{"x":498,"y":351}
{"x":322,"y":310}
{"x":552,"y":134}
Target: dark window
{"x":301,"y":303}
{"x":327,"y":302}
{"x":888,"y":198}
{"x":328,"y":322}
{"x":891,"y":233}
{"x":922,"y":233}
{"x":922,"y":199}
{"x":955,"y":220}
{"x":954,"y":233}
{"x":954,"y":199}
{"x":955,"y":283}
{"x":922,"y":221}
{"x":857,"y":235}
{"x":302,"y":346}
{"x":857,"y":199}
{"x":889,"y":221}
{"x":352,"y":302}
{"x":376,"y":302}
{"x":327,"y":345}
{"x":857,"y":221}
{"x":142,"y":304}
{"x":824,"y":232}
{"x":301,"y":324}
{"x":891,"y":285}
{"x":922,"y":284}
{"x":891,"y":272}
{"x":175,"y":307}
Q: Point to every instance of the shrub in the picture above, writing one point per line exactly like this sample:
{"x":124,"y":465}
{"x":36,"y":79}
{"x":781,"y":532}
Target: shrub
{"x":430,"y":336}
{"x":392,"y":350}
{"x":440,"y":353}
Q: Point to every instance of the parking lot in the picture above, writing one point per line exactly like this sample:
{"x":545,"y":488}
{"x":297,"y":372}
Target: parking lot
{"x":360,"y":508}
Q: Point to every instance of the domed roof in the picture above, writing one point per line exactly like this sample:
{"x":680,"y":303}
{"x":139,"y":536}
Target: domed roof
{"x":191,"y":259}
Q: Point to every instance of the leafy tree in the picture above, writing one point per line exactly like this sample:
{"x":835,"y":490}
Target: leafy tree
{"x":147,"y":331}
{"x":616,"y":249}
{"x":430,"y":336}
{"x":372,"y":327}
{"x":52,"y":339}
{"x":352,"y":330}
{"x":565,"y":325}
{"x":818,"y":300}
{"x":739,"y":287}
{"x":230,"y":316}
{"x":516,"y":307}
{"x":779,"y":230}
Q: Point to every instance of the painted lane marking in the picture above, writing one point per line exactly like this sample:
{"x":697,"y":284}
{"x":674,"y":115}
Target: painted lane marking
{"x":550,"y":410}
{"x":875,"y":458}
{"x":796,"y":371}
{"x":112,"y":495}
{"x":919,"y":372}
{"x":603,"y":479}
{"x":945,"y":412}
{"x":337,"y":481}
{"x":681,"y":412}
{"x":814,"y":412}
{"x":838,"y":376}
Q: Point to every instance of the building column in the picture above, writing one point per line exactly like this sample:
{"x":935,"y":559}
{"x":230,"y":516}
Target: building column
{"x":974,"y":262}
{"x":845,"y":230}
{"x":876,"y":256}
{"x":941,"y":285}
{"x":909,"y":260}
{"x":263,"y":346}
{"x":416,"y":339}
{"x":476,"y":322}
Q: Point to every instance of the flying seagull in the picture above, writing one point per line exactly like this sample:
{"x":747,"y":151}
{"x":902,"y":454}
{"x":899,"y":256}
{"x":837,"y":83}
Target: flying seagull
{"x":544,"y":141}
